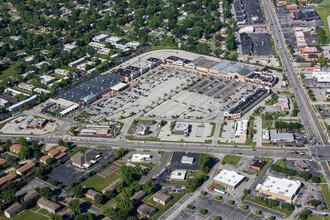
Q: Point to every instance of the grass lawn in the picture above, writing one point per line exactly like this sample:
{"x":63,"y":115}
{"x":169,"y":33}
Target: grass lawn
{"x":286,"y":212}
{"x":282,"y":163}
{"x":75,"y":150}
{"x":162,"y":209}
{"x":43,"y":212}
{"x":99,"y":183}
{"x":319,"y":217}
{"x":29,"y":215}
{"x":326,"y":194}
{"x":231,"y":159}
{"x":213,"y":185}
{"x":267,"y":124}
{"x":323,"y":11}
{"x":7,"y":70}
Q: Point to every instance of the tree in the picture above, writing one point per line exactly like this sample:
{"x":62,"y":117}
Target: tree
{"x":7,"y":144}
{"x":46,"y":192}
{"x":315,"y":202}
{"x":98,"y":199}
{"x":22,"y":141}
{"x":148,"y":187}
{"x":205,"y":162}
{"x":56,"y":217}
{"x":78,"y":191}
{"x":306,"y":175}
{"x":304,"y":214}
{"x":316,"y":179}
{"x":75,"y":206}
{"x":202,"y":211}
{"x":287,"y":206}
{"x":124,"y":204}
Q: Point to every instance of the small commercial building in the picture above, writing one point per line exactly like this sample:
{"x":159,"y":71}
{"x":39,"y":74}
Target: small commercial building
{"x":141,"y":129}
{"x":187,"y":160}
{"x":258,"y":165}
{"x":241,"y":128}
{"x":281,"y":137}
{"x":13,"y":210}
{"x":283,"y":102}
{"x":178,"y":175}
{"x":229,"y":179}
{"x":48,"y":205}
{"x":181,"y":128}
{"x":277,"y":188}
{"x":301,"y":165}
{"x":36,"y":123}
{"x":146,"y":211}
{"x":85,"y":159}
{"x":140,"y":157}
{"x":265,"y":136}
{"x":161,"y":198}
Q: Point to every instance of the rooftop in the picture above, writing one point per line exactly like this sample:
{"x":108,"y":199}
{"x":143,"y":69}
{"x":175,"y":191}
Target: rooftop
{"x":230,"y":178}
{"x":279,"y":186}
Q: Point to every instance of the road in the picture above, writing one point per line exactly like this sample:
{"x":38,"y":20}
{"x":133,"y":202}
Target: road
{"x":158,"y":169}
{"x":311,"y":123}
{"x":308,"y":116}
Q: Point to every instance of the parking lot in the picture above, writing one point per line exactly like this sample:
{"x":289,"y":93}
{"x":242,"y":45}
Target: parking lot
{"x":36,"y":183}
{"x":313,"y":169}
{"x":215,"y":208}
{"x":19,"y":125}
{"x":149,"y":91}
{"x":67,"y":173}
{"x":176,"y":161}
{"x":155,"y":156}
{"x":200,"y":132}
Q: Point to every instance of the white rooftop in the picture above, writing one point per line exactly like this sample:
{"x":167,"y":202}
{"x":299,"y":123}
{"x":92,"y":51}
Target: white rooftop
{"x":231,"y":178}
{"x":178,"y":175}
{"x":279,"y":186}
{"x":241,"y":127}
{"x":187,"y":160}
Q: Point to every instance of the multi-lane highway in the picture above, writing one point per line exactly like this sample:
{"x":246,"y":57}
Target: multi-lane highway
{"x":308,"y":116}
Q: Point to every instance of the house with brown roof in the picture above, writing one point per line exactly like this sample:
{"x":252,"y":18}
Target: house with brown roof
{"x":58,"y":151}
{"x":2,"y":161}
{"x":26,"y":168}
{"x":161,"y":198}
{"x":43,"y":159}
{"x":67,"y":214}
{"x":112,"y":185}
{"x":50,"y":206}
{"x":91,"y":193}
{"x":146,"y":211}
{"x":1,"y":149}
{"x":13,"y":210}
{"x":16,"y":148}
{"x":31,"y":196}
{"x":6,"y":179}
{"x":138,"y":196}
